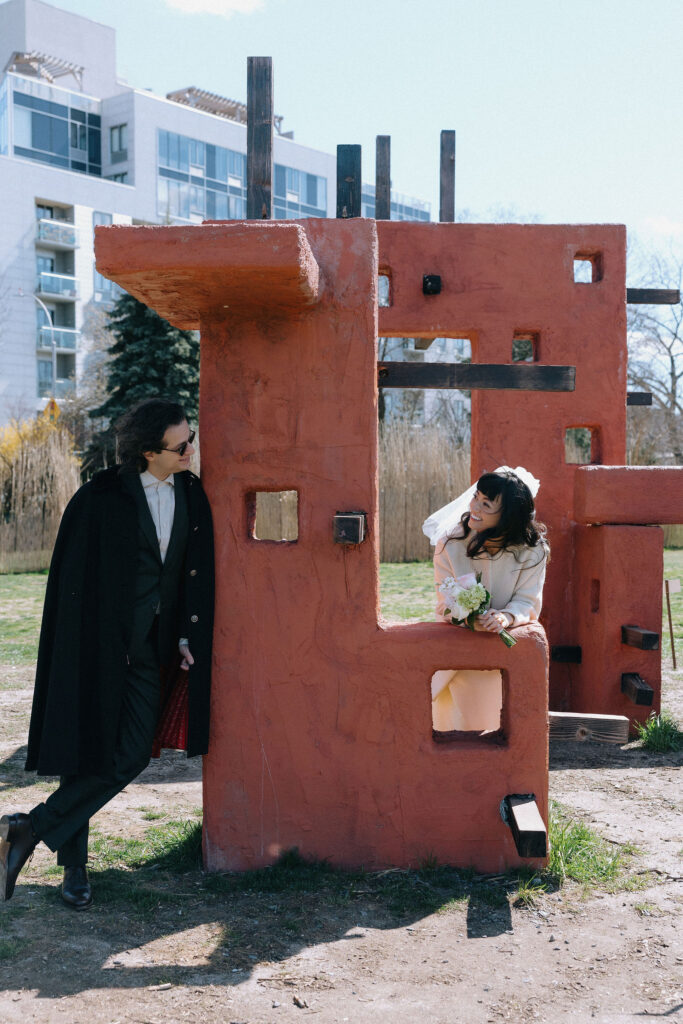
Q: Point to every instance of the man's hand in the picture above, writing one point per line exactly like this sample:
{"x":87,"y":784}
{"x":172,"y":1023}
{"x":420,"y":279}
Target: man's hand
{"x":187,"y":658}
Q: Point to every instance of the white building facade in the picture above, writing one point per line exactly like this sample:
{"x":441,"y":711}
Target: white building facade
{"x":79,"y":148}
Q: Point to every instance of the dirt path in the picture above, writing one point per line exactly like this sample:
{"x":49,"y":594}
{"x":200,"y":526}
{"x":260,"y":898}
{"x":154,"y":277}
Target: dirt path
{"x":268,"y":957}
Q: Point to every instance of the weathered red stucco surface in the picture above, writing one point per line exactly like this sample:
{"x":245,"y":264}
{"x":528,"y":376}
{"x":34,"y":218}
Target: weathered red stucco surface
{"x":499,"y":281}
{"x":321,"y":720}
{"x":321,"y":717}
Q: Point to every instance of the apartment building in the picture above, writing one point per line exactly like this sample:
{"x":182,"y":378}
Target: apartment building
{"x":79,"y":148}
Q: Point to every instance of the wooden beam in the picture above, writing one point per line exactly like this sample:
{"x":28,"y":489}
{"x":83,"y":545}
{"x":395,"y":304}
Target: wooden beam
{"x":527,"y":825}
{"x":447,"y":178}
{"x":259,"y":138}
{"x":567,"y":725}
{"x":653,"y":296}
{"x":645,"y":639}
{"x":349,"y":183}
{"x":477,"y":376}
{"x":383,"y":178}
{"x":636,"y":689}
{"x":565,"y":653}
{"x":639,"y":398}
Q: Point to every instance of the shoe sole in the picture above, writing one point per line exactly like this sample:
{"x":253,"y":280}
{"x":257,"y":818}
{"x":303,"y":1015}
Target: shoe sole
{"x":77,"y":908}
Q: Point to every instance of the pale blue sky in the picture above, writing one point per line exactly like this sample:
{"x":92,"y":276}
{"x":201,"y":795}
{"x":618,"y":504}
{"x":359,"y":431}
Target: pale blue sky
{"x":563,"y":111}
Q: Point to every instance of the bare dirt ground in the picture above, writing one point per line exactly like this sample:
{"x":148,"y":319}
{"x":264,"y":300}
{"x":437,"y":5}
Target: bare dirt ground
{"x":268,"y":957}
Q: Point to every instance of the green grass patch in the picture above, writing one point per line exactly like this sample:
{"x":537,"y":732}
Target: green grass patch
{"x":660,"y":733}
{"x":578,"y":853}
{"x":407,"y":591}
{"x":9,"y":948}
{"x":21,"y":608}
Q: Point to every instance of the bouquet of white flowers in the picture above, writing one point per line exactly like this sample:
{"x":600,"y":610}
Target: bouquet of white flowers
{"x":467,"y":597}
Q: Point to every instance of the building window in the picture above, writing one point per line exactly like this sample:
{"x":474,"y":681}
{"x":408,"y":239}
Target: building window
{"x":121,"y":178}
{"x":79,"y":136}
{"x":100,"y":219}
{"x":118,"y":138}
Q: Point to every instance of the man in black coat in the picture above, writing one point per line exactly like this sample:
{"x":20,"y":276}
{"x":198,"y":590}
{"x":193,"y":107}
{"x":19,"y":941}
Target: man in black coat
{"x":130,"y":588}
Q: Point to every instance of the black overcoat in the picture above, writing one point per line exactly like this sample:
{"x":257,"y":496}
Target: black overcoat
{"x":88,"y":620}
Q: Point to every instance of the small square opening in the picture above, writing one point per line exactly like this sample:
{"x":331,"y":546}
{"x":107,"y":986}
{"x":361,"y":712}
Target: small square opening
{"x":273,"y":516}
{"x":587,"y":267}
{"x":525,"y":347}
{"x":383,"y":289}
{"x":581,"y":446}
{"x":467,"y":704}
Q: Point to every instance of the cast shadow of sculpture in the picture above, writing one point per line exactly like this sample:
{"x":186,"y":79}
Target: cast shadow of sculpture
{"x":263,"y":917}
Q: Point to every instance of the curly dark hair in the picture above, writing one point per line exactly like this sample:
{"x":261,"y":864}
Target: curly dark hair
{"x":518,"y":524}
{"x":142,"y":428}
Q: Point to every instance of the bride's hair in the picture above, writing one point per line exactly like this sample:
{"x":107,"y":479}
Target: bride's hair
{"x":517,"y":525}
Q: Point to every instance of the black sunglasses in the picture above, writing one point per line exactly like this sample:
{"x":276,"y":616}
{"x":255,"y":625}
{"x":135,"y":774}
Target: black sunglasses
{"x":182,"y":448}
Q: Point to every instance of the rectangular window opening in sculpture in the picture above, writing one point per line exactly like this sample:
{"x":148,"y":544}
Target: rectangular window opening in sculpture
{"x":582,"y":446}
{"x":525,"y":347}
{"x":273,"y":516}
{"x":587,"y":267}
{"x":467,"y":704}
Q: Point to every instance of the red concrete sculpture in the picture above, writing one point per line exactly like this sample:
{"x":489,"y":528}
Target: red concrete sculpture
{"x":321,"y":716}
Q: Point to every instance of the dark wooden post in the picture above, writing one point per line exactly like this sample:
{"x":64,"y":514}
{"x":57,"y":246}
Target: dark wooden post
{"x":259,"y":138}
{"x":383,"y":178}
{"x":349,"y":182}
{"x":447,"y":179}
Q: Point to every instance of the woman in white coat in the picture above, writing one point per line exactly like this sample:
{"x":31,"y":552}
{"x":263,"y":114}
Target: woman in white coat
{"x":490,"y":529}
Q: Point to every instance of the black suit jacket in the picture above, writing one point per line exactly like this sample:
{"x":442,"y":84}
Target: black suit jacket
{"x":89,"y":624}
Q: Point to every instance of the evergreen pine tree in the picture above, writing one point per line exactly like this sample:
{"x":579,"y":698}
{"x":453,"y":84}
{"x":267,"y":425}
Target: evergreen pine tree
{"x":149,"y":358}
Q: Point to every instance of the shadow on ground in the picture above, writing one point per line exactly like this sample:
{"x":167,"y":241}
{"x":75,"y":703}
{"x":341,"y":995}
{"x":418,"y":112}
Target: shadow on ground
{"x":171,"y":767}
{"x":567,"y":754}
{"x":157,"y":924}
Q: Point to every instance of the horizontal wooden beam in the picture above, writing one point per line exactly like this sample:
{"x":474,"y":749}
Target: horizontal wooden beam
{"x":636,"y":689}
{"x":639,"y":398}
{"x":645,"y":639}
{"x":566,"y":653}
{"x":527,"y":826}
{"x":568,"y":725}
{"x":653,"y":296}
{"x":476,"y":376}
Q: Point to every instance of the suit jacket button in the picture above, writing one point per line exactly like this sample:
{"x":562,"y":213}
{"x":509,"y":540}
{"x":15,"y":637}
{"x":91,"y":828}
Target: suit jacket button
{"x":195,"y":529}
{"x":193,"y":572}
{"x":194,"y":618}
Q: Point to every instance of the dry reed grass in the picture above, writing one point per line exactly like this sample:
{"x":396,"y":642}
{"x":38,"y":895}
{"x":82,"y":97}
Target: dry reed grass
{"x":38,"y":475}
{"x":419,"y":471}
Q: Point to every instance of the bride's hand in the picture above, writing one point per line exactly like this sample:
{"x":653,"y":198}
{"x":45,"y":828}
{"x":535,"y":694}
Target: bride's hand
{"x":492,"y":621}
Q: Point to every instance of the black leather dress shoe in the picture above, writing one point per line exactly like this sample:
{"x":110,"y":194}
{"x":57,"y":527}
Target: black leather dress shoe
{"x":76,"y":891}
{"x":17,"y":843}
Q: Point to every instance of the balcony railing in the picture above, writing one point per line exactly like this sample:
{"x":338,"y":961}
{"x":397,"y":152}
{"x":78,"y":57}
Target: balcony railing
{"x":65,"y":388}
{"x":59,"y":286}
{"x":64,"y":337}
{"x":57,"y":233}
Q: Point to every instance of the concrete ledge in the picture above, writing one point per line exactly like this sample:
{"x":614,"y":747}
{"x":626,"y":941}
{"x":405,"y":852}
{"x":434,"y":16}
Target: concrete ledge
{"x":623,"y":495}
{"x":213,"y":270}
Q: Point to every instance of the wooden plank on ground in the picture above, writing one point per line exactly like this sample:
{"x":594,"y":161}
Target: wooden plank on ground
{"x":349,"y":182}
{"x":653,"y":296}
{"x":527,"y":825}
{"x":447,"y":178}
{"x":636,"y":689}
{"x":568,"y":725}
{"x":259,"y":138}
{"x":383,"y":178}
{"x":644,"y":639}
{"x":477,"y":376}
